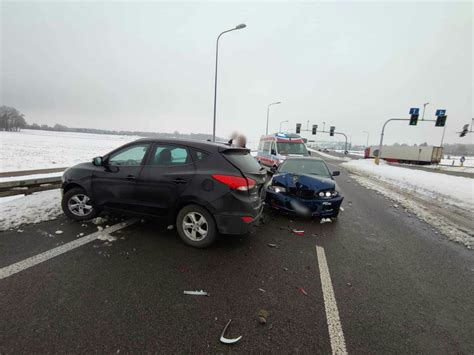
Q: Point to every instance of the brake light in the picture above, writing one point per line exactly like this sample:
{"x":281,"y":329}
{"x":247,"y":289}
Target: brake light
{"x":247,"y":219}
{"x":235,"y":182}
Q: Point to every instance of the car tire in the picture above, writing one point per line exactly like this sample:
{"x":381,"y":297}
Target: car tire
{"x":196,"y":226}
{"x":77,"y":205}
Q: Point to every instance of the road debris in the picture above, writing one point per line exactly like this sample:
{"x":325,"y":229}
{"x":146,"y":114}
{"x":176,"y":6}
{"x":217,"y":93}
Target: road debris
{"x":298,"y":231}
{"x":99,"y":228}
{"x":19,"y":230}
{"x":98,"y":221}
{"x":349,"y":284}
{"x":272,"y":245}
{"x":170,"y":227}
{"x":59,"y":232}
{"x":107,"y":237}
{"x":303,"y":291}
{"x":262,"y":316}
{"x":183,"y":269}
{"x":341,"y":209}
{"x":325,"y":220}
{"x":227,"y":340}
{"x":285,"y":269}
{"x":314,"y":235}
{"x":262,"y":290}
{"x":196,"y":293}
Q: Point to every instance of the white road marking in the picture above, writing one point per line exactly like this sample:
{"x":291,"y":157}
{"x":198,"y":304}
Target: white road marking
{"x":338,"y":344}
{"x":37,"y":259}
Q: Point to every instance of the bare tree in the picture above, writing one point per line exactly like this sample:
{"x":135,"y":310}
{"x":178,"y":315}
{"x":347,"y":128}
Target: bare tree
{"x":11,"y":119}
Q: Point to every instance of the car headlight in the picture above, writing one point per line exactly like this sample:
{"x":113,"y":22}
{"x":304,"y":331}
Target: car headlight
{"x":328,"y":194}
{"x":278,"y":189}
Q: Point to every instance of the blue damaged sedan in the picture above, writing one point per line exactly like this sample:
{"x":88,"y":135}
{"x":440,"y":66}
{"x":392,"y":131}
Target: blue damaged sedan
{"x":304,"y":186}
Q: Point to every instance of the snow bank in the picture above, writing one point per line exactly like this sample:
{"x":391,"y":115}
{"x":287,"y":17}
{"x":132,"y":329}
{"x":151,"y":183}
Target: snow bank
{"x":38,"y":207}
{"x":454,"y":190}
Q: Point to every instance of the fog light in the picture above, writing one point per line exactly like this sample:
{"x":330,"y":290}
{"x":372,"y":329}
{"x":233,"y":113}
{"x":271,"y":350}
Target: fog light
{"x":247,"y":219}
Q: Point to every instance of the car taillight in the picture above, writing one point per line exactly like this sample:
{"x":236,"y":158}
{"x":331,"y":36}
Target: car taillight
{"x":235,"y":182}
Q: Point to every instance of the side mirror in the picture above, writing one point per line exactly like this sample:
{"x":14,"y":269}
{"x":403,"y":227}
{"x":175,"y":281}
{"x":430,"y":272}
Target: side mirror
{"x":273,"y":169}
{"x":336,"y":173}
{"x":98,"y":161}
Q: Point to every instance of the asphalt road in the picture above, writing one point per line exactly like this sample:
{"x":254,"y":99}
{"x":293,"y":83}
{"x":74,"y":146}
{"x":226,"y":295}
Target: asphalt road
{"x":400,"y":287}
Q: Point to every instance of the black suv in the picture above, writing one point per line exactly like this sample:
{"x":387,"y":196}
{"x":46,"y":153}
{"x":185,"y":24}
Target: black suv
{"x":203,"y":187}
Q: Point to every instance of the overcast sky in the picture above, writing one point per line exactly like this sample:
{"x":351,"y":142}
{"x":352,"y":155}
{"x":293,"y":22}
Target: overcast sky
{"x":150,"y":65}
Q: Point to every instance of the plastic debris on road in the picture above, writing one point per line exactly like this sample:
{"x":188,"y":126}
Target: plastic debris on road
{"x":298,"y":231}
{"x":272,"y":245}
{"x":196,"y":293}
{"x":225,"y":340}
{"x":262,"y":290}
{"x":303,"y":291}
{"x":98,"y":221}
{"x":325,"y":220}
{"x":170,"y":227}
{"x":59,"y":232}
{"x":107,"y":237}
{"x":262,"y":316}
{"x":341,"y":209}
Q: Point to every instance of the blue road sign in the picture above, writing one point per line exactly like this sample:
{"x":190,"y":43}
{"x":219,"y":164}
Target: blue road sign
{"x":440,"y":112}
{"x":414,"y":111}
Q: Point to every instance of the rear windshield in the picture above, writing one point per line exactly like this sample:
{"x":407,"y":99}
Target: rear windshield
{"x":286,"y":148}
{"x":244,"y":161}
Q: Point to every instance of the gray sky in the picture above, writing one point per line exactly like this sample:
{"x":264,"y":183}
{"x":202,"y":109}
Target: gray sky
{"x":150,"y":65}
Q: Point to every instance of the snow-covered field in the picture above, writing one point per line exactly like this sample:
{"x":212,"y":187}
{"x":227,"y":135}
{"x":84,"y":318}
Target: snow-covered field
{"x":35,"y":149}
{"x":329,"y":156}
{"x":454,"y":161}
{"x":450,"y":189}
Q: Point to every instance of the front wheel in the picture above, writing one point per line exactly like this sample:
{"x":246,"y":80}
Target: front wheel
{"x":196,"y":226}
{"x":77,"y":205}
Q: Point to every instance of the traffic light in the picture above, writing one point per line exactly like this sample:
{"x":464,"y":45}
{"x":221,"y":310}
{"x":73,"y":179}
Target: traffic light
{"x":465,"y":129}
{"x":298,"y":128}
{"x":315,"y":128}
{"x":413,"y":119}
{"x":440,"y":121}
{"x":331,"y":131}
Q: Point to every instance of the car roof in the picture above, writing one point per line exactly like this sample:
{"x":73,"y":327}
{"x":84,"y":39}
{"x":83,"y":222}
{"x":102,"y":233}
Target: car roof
{"x":303,"y":158}
{"x":204,"y":145}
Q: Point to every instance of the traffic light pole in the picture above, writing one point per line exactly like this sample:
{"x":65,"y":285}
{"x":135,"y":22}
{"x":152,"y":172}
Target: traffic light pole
{"x":379,"y":155}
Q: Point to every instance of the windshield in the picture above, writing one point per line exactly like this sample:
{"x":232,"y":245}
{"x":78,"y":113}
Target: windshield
{"x":286,"y":148}
{"x":305,"y":166}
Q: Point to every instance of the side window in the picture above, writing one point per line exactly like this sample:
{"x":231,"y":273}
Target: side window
{"x":273,"y":150}
{"x":165,"y":154}
{"x":199,"y":155}
{"x":266,"y":146}
{"x":260,"y":145}
{"x":129,"y":156}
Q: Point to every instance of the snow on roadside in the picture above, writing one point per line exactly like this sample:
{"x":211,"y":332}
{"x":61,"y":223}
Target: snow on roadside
{"x":328,"y":156}
{"x":454,"y":190}
{"x":451,"y":230}
{"x":38,"y":207}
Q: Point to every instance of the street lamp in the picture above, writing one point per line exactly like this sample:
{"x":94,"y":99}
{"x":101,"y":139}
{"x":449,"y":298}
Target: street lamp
{"x":268,"y":113}
{"x":424,"y":107}
{"x":238,"y":27}
{"x":366,"y":144}
{"x":281,"y":123}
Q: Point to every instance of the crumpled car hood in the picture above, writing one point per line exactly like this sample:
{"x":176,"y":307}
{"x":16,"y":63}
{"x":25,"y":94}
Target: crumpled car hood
{"x":303,"y":182}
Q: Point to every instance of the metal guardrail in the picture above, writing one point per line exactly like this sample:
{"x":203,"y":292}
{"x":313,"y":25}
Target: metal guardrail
{"x":28,"y":186}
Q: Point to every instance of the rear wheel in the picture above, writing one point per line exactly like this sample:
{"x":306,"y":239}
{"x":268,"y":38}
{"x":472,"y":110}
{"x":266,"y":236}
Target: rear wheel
{"x":77,"y":205}
{"x":196,"y":226}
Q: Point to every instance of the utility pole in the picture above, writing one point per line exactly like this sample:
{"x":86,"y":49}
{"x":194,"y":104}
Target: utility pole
{"x":424,"y":107}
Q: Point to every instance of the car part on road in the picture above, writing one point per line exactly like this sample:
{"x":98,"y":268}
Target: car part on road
{"x":303,"y":291}
{"x":271,"y":245}
{"x":298,"y":231}
{"x":262,"y":316}
{"x":196,"y":293}
{"x":325,"y":220}
{"x":227,"y":340}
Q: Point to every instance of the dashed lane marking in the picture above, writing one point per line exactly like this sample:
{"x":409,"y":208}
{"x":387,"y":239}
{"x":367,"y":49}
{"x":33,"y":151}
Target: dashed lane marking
{"x":338,"y":344}
{"x":37,"y":259}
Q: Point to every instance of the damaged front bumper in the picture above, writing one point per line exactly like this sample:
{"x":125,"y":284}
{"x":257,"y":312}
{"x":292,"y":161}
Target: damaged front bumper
{"x":317,"y":207}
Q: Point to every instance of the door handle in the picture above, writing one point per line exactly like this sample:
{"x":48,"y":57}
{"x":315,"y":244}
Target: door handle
{"x":179,"y":181}
{"x":131,"y":177}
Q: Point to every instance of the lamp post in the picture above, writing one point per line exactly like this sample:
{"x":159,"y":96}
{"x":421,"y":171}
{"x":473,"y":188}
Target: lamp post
{"x":268,"y":113}
{"x":424,"y":107}
{"x":281,"y":123}
{"x":238,"y":27}
{"x":367,"y":143}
